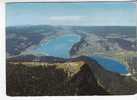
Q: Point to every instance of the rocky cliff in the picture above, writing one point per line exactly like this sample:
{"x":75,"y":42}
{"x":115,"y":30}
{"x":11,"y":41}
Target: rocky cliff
{"x":75,"y":76}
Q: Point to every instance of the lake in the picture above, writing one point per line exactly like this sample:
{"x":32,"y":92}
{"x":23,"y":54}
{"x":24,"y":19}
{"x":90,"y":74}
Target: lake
{"x":111,"y":64}
{"x":59,"y":46}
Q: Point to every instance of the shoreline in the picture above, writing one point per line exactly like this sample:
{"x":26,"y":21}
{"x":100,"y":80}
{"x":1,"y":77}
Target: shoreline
{"x":77,"y":45}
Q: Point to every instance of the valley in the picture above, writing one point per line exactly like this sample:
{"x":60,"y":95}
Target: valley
{"x":86,"y":58}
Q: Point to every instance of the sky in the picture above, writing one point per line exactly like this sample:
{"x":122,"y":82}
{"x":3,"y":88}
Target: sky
{"x":76,"y":14}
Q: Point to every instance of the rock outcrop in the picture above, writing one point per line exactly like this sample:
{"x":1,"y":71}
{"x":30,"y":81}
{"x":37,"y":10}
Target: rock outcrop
{"x":75,"y":76}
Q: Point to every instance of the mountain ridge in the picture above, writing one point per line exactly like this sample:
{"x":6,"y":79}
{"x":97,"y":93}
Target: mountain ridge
{"x":112,"y":83}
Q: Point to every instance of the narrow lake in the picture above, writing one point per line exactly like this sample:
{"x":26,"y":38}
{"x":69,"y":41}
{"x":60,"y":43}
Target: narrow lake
{"x":111,"y":64}
{"x":59,"y":46}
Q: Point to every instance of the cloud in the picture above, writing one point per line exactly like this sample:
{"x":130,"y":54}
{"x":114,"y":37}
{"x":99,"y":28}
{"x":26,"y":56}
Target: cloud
{"x":64,"y":18}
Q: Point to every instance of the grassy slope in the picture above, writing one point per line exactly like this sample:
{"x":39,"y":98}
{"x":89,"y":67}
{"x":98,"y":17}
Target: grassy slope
{"x":78,"y":77}
{"x":73,"y":78}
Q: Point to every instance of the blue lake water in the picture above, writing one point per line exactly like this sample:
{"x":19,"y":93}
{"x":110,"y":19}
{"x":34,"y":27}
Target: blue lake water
{"x":59,"y":46}
{"x":111,"y":64}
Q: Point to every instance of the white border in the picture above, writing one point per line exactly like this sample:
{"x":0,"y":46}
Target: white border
{"x":3,"y":57}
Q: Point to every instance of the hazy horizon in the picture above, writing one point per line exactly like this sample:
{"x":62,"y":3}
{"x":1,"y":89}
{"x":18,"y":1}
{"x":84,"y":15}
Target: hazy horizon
{"x":71,"y":14}
{"x":69,"y":25}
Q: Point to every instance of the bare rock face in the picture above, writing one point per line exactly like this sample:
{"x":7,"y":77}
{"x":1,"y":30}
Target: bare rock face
{"x":76,"y":76}
{"x":114,"y":83}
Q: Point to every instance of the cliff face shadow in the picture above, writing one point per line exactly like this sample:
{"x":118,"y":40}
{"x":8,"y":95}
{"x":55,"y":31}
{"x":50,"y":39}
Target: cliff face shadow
{"x":22,"y":80}
{"x":41,"y":80}
{"x":86,"y":83}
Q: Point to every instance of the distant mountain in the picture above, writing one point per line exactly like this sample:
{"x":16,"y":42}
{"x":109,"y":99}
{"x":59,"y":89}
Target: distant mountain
{"x":27,"y":58}
{"x":104,"y":30}
{"x":19,"y":38}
